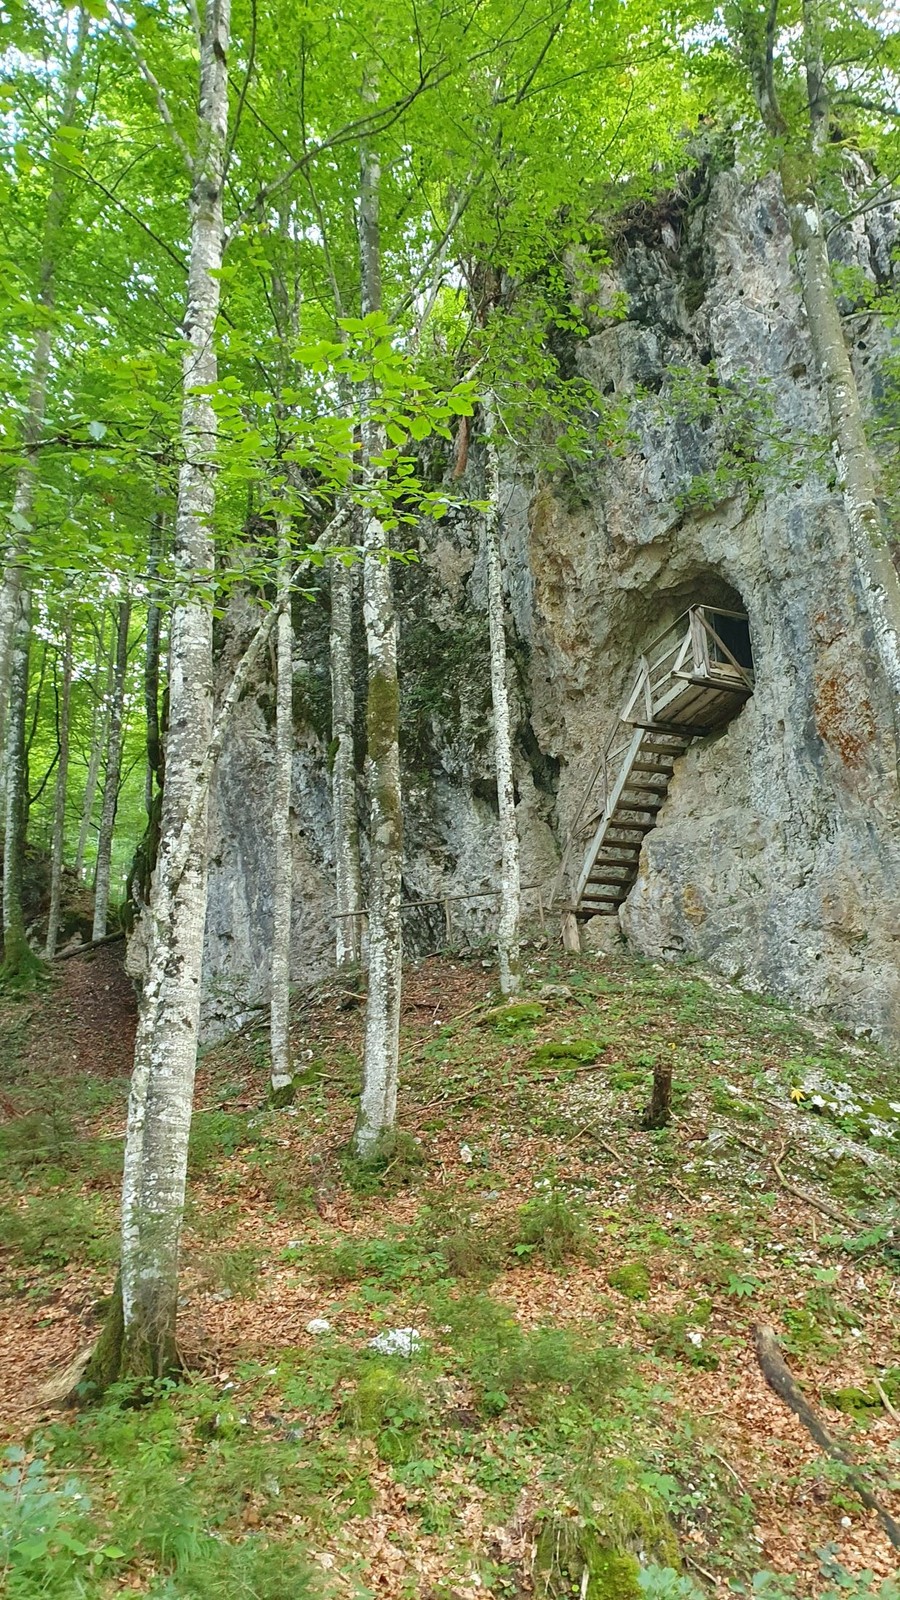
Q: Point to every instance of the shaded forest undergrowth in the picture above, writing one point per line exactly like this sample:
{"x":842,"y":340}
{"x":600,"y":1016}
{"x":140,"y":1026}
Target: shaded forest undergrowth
{"x":580,"y":1396}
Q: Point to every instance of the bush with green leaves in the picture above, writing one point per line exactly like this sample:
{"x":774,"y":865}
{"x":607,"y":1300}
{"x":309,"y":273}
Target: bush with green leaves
{"x":553,"y":1228}
{"x":530,"y":1368}
{"x":48,"y":1546}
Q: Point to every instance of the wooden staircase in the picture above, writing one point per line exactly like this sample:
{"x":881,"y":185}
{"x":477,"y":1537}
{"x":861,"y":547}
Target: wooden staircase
{"x":694,"y":678}
{"x":611,"y":861}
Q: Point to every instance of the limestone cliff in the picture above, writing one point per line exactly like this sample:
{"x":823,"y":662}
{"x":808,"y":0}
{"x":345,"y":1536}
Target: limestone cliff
{"x":777,"y":854}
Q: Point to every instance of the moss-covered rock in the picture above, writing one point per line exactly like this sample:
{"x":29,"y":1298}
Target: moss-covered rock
{"x":631,"y":1279}
{"x":509,"y":1019}
{"x":570,"y":1558}
{"x":562,"y":1050}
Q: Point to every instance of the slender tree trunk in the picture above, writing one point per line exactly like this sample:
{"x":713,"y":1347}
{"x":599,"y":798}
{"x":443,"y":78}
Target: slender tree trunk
{"x":347,"y":879}
{"x":113,"y":774}
{"x":283,"y":886}
{"x":23,"y":495}
{"x":378,"y":1101}
{"x":99,"y":726}
{"x":857,"y":472}
{"x":159,"y":1112}
{"x":151,"y":664}
{"x":59,"y":809}
{"x":510,"y":877}
{"x":17,"y":954}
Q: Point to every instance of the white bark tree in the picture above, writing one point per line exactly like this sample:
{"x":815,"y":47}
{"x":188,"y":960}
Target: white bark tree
{"x":57,"y":847}
{"x":159,"y":1111}
{"x":799,"y":166}
{"x":17,"y":955}
{"x":283,"y":885}
{"x":105,"y":663}
{"x":113,"y":774}
{"x":347,"y":877}
{"x":510,"y":876}
{"x":377,"y":1114}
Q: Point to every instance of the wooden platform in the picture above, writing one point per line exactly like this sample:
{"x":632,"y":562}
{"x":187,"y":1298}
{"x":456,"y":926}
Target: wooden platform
{"x":692,"y":680}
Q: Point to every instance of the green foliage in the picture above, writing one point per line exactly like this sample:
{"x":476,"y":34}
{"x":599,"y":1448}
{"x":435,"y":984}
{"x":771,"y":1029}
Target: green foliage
{"x":664,"y":1583}
{"x":680,"y":1337}
{"x":571,"y":1559}
{"x":36,"y":1140}
{"x":52,"y":1230}
{"x":470,"y":1246}
{"x":387,"y":1405}
{"x":233,"y":1269}
{"x":216,"y":1136}
{"x":47,"y":1543}
{"x":552,"y":1228}
{"x":528,"y":1368}
{"x":395,"y":1162}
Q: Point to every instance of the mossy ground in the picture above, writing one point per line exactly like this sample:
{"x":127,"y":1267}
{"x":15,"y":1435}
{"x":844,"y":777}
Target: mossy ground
{"x":584,"y":1293}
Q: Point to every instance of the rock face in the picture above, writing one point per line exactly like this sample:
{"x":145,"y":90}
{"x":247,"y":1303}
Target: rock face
{"x":777,"y":855}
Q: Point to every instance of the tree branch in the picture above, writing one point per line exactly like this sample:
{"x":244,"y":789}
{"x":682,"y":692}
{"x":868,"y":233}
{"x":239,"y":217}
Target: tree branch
{"x":153,"y":83}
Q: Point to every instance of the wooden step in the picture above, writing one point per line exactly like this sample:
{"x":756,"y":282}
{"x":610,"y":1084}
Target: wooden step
{"x":657,"y":764}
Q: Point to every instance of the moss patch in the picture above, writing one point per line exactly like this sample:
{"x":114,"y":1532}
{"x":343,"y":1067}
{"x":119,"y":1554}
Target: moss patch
{"x":631,"y":1279}
{"x":509,"y":1019}
{"x":562,"y":1050}
{"x":571,"y":1559}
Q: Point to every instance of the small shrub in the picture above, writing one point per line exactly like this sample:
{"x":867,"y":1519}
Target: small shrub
{"x":680,"y":1337}
{"x":386,"y":1406}
{"x":469,"y":1247}
{"x":45,"y":1144}
{"x":394,"y":1260}
{"x":47,"y":1544}
{"x":631,"y":1279}
{"x":505,"y":1363}
{"x":395,"y":1162}
{"x":553,"y":1228}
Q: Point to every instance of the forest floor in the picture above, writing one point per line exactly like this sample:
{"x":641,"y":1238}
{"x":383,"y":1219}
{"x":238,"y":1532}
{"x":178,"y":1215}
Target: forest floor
{"x":582,"y":1379}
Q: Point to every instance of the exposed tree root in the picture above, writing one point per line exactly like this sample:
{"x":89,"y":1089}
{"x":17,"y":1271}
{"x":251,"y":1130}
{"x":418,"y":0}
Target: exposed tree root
{"x":779,"y":1377}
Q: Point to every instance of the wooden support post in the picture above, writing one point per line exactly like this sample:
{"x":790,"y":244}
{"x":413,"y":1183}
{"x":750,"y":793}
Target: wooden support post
{"x":571,"y":933}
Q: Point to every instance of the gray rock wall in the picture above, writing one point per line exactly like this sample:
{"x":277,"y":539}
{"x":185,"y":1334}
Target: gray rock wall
{"x":777,"y":855}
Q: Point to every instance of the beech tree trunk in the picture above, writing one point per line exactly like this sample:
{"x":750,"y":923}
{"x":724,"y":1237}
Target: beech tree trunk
{"x":510,"y":876}
{"x":57,"y":847}
{"x":17,"y":954}
{"x":377,"y":1114}
{"x":857,"y":471}
{"x":347,"y":878}
{"x":159,"y":1112}
{"x":283,"y":886}
{"x":113,"y":773}
{"x":151,"y":666}
{"x":99,"y":725}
